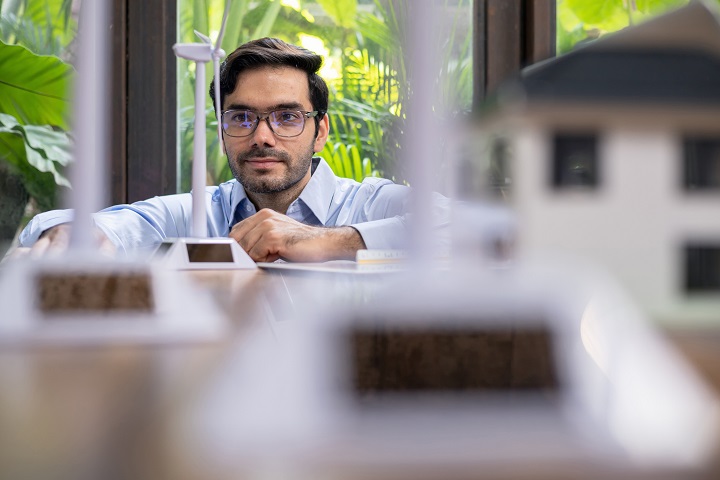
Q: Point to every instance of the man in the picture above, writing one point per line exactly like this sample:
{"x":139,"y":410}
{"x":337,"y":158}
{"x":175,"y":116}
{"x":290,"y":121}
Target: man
{"x":283,"y":203}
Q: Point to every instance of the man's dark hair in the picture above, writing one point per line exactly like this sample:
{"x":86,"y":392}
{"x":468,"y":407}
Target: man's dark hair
{"x":275,"y":53}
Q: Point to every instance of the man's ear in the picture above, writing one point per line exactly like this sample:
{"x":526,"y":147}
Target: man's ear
{"x":222,"y":141}
{"x":322,"y":135}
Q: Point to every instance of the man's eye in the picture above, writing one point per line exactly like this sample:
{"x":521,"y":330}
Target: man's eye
{"x":289,"y":117}
{"x":242,"y":119}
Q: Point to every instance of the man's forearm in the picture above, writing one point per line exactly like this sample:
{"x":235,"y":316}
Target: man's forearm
{"x":342,"y":243}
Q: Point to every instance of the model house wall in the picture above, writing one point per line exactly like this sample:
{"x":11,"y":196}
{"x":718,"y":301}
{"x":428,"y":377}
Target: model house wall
{"x":624,"y":171}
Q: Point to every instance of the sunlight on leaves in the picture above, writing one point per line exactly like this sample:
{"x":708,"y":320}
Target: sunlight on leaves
{"x":579,"y":21}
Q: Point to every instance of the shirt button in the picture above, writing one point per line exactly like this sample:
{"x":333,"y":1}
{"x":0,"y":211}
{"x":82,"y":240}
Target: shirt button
{"x":248,"y":207}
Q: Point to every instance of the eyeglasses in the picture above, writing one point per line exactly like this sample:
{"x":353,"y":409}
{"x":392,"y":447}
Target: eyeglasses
{"x":283,"y":123}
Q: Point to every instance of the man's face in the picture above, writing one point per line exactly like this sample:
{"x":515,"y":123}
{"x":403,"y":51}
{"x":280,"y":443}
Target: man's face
{"x":264,"y":162}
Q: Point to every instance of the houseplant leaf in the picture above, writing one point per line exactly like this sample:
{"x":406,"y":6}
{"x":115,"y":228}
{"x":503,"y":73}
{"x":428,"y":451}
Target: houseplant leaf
{"x":34,"y":88}
{"x":46,"y":150}
{"x":40,"y":185}
{"x":38,"y":154}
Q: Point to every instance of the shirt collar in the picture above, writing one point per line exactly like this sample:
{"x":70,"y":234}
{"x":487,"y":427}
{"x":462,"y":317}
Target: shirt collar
{"x":319,"y":191}
{"x":233,"y":196}
{"x":317,"y":194}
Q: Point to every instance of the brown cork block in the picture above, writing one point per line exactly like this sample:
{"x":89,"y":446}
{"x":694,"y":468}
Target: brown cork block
{"x":94,"y":292}
{"x":452,"y":361}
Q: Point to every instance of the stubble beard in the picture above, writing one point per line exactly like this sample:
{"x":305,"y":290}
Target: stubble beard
{"x":295,"y":170}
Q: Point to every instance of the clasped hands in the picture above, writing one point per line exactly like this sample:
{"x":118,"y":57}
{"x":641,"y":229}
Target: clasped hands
{"x":265,"y":236}
{"x":269,"y":235}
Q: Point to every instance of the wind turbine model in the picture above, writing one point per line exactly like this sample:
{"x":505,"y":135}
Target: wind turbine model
{"x":199,"y":251}
{"x":81,"y":297}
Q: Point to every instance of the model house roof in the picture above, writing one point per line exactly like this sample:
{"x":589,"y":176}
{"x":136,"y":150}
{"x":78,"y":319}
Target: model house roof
{"x":672,"y":59}
{"x":638,"y":76}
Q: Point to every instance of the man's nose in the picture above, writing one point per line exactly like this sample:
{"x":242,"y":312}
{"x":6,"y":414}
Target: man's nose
{"x":263,"y":135}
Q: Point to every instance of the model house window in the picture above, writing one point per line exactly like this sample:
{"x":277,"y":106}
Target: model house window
{"x":575,"y":161}
{"x":499,"y":167}
{"x":702,"y":268}
{"x":702,"y":163}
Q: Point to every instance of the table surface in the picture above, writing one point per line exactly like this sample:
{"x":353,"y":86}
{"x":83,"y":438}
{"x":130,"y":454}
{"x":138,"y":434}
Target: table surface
{"x":107,"y":411}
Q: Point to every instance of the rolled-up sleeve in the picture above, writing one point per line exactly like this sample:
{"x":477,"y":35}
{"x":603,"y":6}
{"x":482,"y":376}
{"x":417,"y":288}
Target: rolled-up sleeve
{"x":136,"y":227}
{"x":388,"y":233}
{"x":383,"y":223}
{"x":143,"y":225}
{"x":42,"y":222}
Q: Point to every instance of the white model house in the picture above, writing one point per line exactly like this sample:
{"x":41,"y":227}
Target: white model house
{"x":612,"y":153}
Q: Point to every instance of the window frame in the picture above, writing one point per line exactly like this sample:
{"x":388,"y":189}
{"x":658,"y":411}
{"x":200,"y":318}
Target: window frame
{"x":508,"y":36}
{"x":143,"y":139}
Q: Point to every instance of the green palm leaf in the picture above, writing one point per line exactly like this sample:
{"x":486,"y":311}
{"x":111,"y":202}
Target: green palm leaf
{"x":341,"y":11}
{"x":34,"y":88}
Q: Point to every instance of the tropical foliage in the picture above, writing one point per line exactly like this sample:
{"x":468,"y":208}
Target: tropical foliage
{"x":580,"y":21}
{"x":35,"y":37}
{"x":38,"y":154}
{"x":364,"y":67}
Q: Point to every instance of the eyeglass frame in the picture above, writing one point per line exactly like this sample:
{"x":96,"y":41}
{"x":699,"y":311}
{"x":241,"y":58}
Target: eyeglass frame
{"x":316,"y":114}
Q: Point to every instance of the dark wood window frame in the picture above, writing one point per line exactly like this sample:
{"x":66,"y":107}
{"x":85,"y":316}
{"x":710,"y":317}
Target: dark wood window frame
{"x":509,"y":34}
{"x":143,"y":136}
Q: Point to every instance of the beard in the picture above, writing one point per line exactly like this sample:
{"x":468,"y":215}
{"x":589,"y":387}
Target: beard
{"x":295,"y":170}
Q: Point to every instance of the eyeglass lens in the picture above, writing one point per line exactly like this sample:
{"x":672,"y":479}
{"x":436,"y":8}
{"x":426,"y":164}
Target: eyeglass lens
{"x":285,"y":123}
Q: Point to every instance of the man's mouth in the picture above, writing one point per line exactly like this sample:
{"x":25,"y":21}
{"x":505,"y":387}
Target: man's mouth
{"x":263,"y":162}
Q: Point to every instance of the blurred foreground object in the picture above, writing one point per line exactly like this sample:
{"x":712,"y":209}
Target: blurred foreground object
{"x":612,"y":153}
{"x":79,"y":296}
{"x":459,"y":371}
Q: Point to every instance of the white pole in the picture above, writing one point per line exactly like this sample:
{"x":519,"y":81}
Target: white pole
{"x":217,"y":54}
{"x":199,"y":215}
{"x":422,"y":139}
{"x":90,"y":120}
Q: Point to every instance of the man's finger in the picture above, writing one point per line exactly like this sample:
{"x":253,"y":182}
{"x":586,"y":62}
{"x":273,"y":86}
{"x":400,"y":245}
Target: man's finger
{"x":251,"y":231}
{"x":261,"y":253}
{"x":40,"y":247}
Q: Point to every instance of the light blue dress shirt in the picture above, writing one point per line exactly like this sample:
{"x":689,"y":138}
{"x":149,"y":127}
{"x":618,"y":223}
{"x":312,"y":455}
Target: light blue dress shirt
{"x":376,"y":208}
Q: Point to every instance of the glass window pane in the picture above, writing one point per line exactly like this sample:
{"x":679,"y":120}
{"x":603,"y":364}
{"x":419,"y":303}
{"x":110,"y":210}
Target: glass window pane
{"x":579,"y":22}
{"x":36,"y":93}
